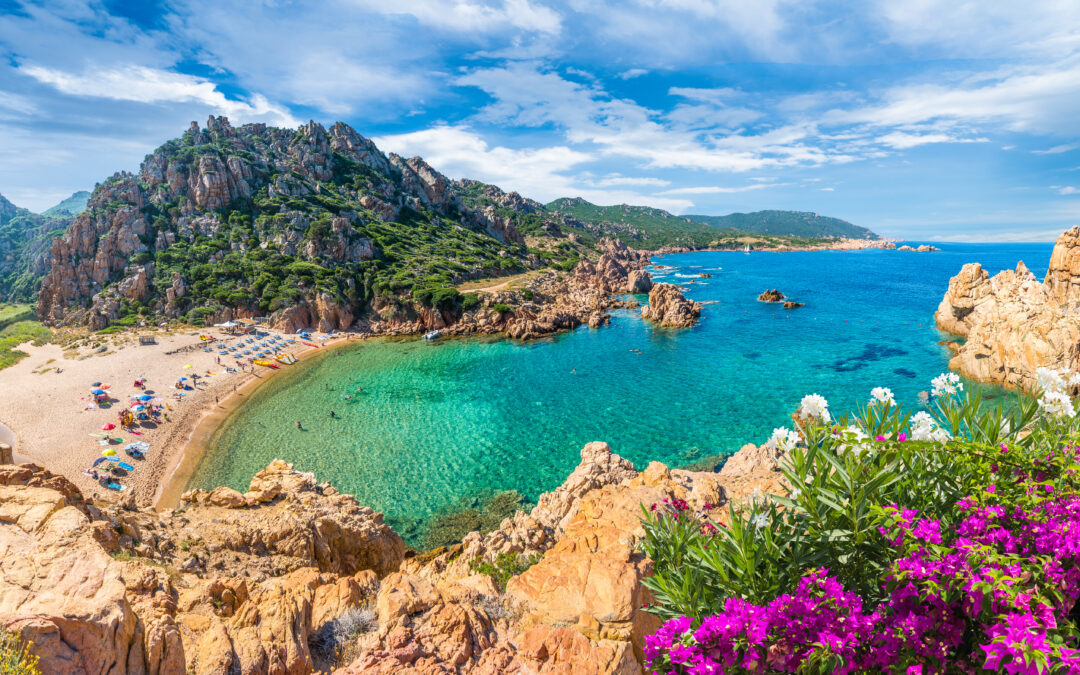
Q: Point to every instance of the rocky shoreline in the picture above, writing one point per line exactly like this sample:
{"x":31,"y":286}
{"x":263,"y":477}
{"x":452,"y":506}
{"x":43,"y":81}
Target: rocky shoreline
{"x":292,"y":577}
{"x":1014,"y":324}
{"x":549,"y":303}
{"x":841,"y":244}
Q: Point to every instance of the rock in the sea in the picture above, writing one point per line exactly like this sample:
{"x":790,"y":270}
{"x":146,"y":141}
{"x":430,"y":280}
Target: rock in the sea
{"x":1013,"y":323}
{"x":771,"y":295}
{"x":670,"y":308}
{"x":638,"y":281}
{"x":791,"y":304}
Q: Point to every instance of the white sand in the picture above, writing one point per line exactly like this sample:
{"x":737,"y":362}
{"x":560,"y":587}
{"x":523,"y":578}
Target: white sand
{"x":47,"y":415}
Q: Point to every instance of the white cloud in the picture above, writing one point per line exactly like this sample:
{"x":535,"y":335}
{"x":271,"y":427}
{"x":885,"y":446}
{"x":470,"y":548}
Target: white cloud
{"x":150,"y":85}
{"x":528,"y":95}
{"x":467,"y":15}
{"x":982,"y":29}
{"x":632,"y":73}
{"x":1057,"y":149}
{"x":827,"y":189}
{"x":1065,"y":189}
{"x":616,"y":180}
{"x":536,"y":173}
{"x":902,"y":140}
{"x":716,"y":189}
{"x":1030,"y":98}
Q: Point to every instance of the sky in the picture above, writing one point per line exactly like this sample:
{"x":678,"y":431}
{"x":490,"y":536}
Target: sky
{"x":921,"y":119}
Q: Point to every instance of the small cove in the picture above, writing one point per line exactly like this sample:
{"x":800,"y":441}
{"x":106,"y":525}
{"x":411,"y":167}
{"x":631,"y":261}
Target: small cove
{"x":438,"y":426}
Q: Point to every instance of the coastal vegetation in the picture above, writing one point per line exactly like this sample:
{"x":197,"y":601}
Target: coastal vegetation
{"x":17,"y":326}
{"x":802,"y":224}
{"x":15,"y":655}
{"x":941,"y":540}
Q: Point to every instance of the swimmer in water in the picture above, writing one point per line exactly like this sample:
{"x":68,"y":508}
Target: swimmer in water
{"x":347,"y":397}
{"x":299,"y":426}
{"x":333,"y":415}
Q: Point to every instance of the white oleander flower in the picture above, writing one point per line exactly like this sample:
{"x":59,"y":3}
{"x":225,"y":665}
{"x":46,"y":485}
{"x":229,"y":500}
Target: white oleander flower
{"x":882,"y":395}
{"x":815,"y":405}
{"x":854,"y":440}
{"x":923,"y":428}
{"x":783,"y":439}
{"x":1050,"y":380}
{"x":793,"y":493}
{"x":760,"y":520}
{"x":946,"y":384}
{"x":1057,"y":403}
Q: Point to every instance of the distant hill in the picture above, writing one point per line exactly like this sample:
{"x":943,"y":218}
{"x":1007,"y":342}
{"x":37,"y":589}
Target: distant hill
{"x":73,"y":205}
{"x":787,"y":224}
{"x":24,"y":249}
{"x":639,"y":226}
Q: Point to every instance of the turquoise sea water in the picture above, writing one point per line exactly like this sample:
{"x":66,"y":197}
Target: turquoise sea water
{"x":439,"y":422}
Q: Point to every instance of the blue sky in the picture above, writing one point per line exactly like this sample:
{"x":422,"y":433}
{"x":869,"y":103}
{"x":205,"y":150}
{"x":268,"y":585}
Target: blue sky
{"x":926,"y":119}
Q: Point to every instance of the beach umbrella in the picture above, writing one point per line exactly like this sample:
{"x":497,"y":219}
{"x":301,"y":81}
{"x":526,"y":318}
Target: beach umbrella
{"x":146,"y":397}
{"x":96,"y":384}
{"x":140,"y":407}
{"x":108,"y":452}
{"x":108,"y":426}
{"x":183,"y":379}
{"x":97,"y":392}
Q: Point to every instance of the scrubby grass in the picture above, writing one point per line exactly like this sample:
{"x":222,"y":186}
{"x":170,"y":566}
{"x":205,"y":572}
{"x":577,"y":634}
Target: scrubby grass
{"x":16,"y":334}
{"x":10,"y":312}
{"x":15,"y":658}
{"x":332,"y":643}
{"x":506,"y":565}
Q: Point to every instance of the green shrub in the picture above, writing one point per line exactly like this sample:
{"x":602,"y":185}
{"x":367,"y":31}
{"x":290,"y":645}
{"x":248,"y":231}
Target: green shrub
{"x":506,"y":565}
{"x":470,"y":301}
{"x":501,"y":308}
{"x":527,"y":294}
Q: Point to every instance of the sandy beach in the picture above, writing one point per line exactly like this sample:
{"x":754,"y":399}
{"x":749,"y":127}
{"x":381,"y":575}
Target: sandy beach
{"x":47,"y":416}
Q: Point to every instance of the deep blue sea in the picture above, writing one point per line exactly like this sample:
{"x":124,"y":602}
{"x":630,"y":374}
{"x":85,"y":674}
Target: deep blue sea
{"x":438,"y":423}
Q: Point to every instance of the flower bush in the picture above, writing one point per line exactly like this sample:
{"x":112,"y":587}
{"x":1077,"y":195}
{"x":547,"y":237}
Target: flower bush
{"x":949,"y":543}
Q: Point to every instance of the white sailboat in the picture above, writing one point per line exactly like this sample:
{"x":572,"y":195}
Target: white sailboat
{"x":747,"y":249}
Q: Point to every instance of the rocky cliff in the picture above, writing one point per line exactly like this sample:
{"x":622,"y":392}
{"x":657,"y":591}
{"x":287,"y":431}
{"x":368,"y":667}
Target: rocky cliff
{"x":310,"y":225}
{"x":291,"y":577}
{"x":1013,"y":324}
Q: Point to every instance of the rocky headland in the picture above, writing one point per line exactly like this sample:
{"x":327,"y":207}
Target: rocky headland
{"x":1013,"y":323}
{"x":291,"y":577}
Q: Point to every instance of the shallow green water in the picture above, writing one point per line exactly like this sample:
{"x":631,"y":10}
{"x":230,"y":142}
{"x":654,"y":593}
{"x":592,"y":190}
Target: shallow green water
{"x":437,"y":423}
